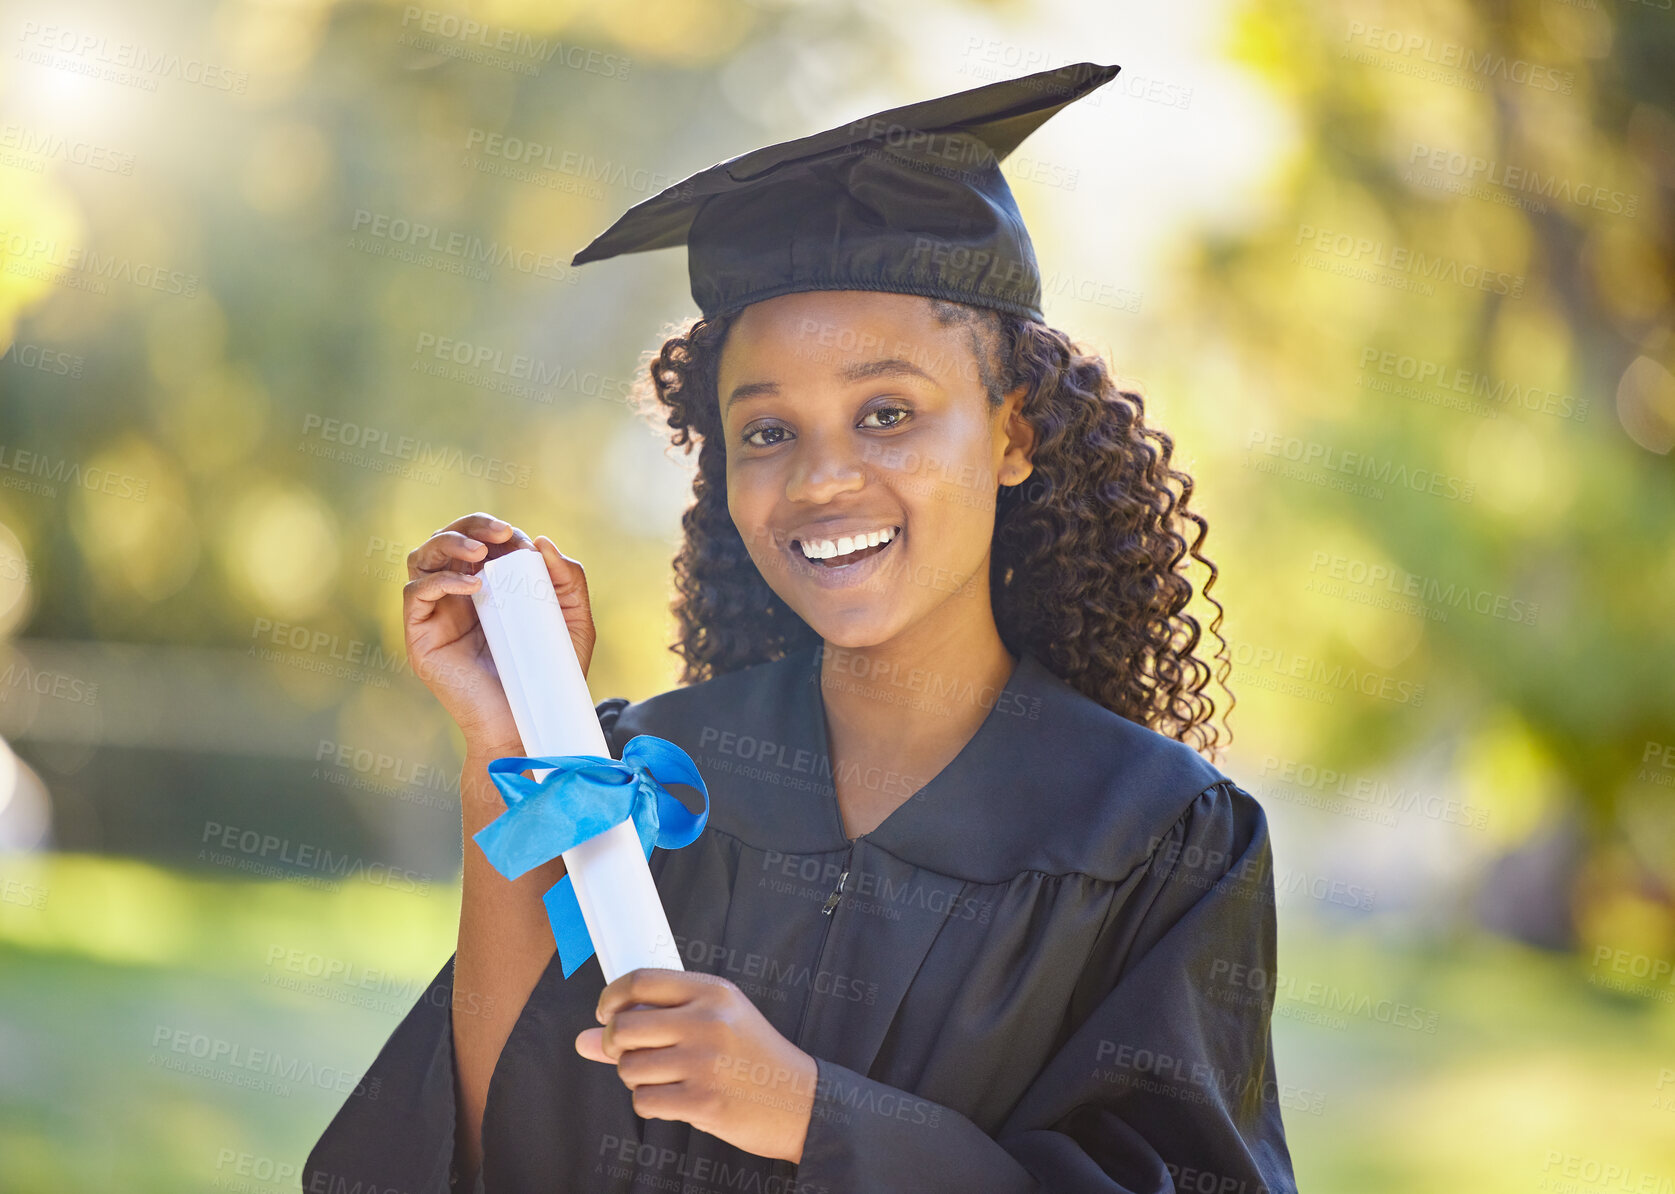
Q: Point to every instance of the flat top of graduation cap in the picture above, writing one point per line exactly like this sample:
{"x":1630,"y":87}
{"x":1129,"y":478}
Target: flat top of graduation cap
{"x":909,"y":200}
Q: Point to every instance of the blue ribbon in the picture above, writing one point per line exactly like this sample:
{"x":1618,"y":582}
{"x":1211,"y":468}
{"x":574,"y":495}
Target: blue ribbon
{"x":580,"y":798}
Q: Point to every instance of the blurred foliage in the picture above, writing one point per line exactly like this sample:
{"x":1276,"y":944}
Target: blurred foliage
{"x":1483,"y":191}
{"x":122,"y":955}
{"x":1264,"y":186}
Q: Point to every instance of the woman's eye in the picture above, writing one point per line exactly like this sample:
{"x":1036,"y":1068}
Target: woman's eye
{"x":893,"y":415}
{"x":749,"y":437}
{"x":900,"y":411}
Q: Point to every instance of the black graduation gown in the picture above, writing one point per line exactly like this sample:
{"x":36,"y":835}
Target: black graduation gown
{"x":1050,"y":969}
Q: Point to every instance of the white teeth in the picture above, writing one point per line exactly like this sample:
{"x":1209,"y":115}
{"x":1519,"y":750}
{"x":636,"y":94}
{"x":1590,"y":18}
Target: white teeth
{"x":825,"y":549}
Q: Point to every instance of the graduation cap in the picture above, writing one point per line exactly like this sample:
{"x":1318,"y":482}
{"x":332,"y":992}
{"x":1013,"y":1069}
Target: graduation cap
{"x":909,"y":200}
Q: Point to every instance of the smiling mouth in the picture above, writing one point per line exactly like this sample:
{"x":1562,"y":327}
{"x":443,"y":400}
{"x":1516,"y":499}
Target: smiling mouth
{"x":849,"y":559}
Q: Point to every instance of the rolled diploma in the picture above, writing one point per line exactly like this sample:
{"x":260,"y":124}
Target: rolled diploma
{"x":554,"y":713}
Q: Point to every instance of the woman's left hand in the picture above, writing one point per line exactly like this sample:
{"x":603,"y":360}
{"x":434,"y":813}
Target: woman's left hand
{"x":702,"y":1053}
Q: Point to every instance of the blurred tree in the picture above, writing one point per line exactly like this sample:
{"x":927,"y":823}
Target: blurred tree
{"x":1468,"y":268}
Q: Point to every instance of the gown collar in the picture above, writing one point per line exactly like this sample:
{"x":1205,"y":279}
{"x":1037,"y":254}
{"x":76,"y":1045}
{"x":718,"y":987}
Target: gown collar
{"x":914,"y":858}
{"x":958,"y":801}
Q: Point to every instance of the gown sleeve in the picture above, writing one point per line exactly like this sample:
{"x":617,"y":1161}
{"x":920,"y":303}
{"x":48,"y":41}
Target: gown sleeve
{"x":1167,"y":1084}
{"x":395,"y":1131}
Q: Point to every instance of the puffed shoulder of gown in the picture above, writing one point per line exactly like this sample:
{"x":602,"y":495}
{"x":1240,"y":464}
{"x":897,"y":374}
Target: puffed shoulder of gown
{"x":1050,"y":969}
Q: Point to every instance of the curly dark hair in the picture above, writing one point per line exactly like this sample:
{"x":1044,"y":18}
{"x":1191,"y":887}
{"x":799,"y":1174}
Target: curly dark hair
{"x":1086,"y":566}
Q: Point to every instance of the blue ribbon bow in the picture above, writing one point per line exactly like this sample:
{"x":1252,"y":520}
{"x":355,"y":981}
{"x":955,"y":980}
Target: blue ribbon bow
{"x":580,"y":798}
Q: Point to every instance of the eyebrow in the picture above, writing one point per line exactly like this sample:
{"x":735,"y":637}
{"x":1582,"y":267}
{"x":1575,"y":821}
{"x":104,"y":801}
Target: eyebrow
{"x":861,"y":371}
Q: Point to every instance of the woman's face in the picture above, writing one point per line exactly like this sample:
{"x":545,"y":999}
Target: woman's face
{"x":853,"y":418}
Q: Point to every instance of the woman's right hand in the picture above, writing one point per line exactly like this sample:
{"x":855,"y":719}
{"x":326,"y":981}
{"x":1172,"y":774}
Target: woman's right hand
{"x":445,"y":642}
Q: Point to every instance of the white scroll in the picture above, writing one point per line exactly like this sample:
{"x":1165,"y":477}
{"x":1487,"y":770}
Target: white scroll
{"x":554,"y":713}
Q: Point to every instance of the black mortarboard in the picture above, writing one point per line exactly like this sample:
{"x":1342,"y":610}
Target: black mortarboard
{"x":909,"y":200}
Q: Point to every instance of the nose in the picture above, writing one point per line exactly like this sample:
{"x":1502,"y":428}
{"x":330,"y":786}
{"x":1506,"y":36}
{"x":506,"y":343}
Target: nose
{"x":825,"y":466}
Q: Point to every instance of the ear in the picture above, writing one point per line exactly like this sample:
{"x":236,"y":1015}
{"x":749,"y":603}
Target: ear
{"x":1017,"y":439}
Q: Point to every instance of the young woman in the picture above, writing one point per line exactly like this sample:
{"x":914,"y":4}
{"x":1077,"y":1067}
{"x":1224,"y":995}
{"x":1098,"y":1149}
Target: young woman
{"x":970,"y":912}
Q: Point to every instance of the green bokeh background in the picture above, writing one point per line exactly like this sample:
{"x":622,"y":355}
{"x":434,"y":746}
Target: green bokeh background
{"x":1436,"y":236}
